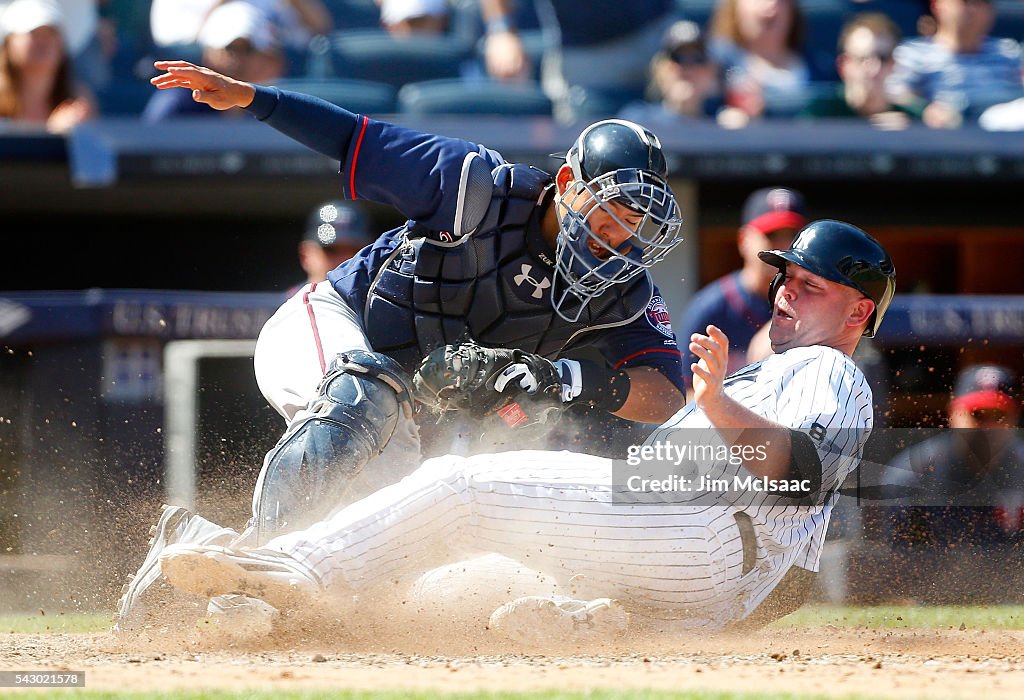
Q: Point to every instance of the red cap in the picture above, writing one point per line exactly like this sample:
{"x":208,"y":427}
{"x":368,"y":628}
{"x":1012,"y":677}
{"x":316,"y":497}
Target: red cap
{"x":985,"y":387}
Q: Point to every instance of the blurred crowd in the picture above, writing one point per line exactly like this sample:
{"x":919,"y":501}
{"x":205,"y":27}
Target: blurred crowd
{"x":942,"y":63}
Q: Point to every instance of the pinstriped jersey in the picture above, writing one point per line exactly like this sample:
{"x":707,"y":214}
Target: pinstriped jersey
{"x":816,"y":390}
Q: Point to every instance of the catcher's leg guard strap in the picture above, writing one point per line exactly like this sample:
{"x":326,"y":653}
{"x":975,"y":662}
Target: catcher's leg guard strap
{"x":347,"y":425}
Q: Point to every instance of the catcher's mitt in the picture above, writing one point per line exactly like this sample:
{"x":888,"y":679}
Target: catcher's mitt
{"x":461,"y":377}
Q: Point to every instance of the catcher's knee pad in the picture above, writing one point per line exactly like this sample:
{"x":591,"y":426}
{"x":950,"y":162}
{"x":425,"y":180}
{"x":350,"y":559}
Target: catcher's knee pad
{"x":358,"y":405}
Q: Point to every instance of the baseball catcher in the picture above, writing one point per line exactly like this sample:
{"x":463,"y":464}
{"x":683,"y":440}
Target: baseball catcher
{"x":532,"y":268}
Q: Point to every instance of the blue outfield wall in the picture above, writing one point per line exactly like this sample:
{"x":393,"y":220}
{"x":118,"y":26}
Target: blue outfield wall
{"x":28,"y":317}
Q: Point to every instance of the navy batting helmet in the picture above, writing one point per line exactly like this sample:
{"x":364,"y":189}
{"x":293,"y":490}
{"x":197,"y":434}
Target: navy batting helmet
{"x":844,"y":254}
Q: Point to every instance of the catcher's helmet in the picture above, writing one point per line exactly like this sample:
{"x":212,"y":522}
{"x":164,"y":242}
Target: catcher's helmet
{"x":842,"y":253}
{"x":620,"y":161}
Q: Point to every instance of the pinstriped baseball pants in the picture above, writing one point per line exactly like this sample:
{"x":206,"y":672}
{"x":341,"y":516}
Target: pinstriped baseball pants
{"x":551,"y":511}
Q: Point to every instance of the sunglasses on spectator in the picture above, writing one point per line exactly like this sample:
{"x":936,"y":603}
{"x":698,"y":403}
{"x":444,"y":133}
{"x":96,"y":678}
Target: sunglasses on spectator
{"x":689,"y":58}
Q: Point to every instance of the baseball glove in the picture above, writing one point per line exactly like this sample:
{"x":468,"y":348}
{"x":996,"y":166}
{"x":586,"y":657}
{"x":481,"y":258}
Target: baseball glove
{"x":463,"y":377}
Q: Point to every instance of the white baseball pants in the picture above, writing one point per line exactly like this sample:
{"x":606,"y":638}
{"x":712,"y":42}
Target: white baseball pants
{"x":294,"y":350}
{"x":553,"y":512}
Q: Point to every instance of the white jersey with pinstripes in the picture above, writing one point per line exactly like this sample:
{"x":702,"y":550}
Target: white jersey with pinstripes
{"x":555,"y":513}
{"x":818,"y":390}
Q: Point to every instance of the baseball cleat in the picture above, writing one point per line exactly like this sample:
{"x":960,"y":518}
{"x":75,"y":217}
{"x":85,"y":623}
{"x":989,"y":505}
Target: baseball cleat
{"x":210,"y":570}
{"x":236,"y":618}
{"x":540,"y":621}
{"x":147,"y":599}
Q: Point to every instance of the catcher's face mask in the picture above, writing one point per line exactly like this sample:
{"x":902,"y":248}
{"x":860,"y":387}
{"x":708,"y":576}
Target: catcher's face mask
{"x":615,"y":223}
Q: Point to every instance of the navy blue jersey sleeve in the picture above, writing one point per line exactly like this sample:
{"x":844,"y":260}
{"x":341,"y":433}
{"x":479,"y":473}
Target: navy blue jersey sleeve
{"x":417,"y":173}
{"x":647,"y":341}
{"x":413,"y":171}
{"x":706,"y":307}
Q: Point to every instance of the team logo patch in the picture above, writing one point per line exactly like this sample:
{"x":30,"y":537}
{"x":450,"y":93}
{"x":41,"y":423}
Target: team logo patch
{"x":987,"y":379}
{"x":657,"y":316}
{"x":781,"y":200}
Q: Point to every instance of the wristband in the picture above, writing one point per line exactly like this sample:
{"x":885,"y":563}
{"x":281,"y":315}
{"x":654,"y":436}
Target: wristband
{"x":603,"y":386}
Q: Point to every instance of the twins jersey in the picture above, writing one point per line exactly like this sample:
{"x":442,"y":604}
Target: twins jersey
{"x":471,"y":259}
{"x":816,"y":390}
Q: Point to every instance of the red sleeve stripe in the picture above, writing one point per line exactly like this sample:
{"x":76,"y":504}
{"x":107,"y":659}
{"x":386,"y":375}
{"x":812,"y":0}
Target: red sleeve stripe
{"x":316,"y":331}
{"x":355,"y":160}
{"x":645,"y":352}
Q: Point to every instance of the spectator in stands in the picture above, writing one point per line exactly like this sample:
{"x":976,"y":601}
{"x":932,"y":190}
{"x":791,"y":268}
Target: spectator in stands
{"x":958,"y":72}
{"x":758,"y":43}
{"x":738,"y":302}
{"x":237,"y":39}
{"x":408,"y":17}
{"x":962,"y":490}
{"x":37,"y":84}
{"x":684,"y":81}
{"x":89,"y":40}
{"x":335,"y":231}
{"x":178,"y":22}
{"x":864,"y":61}
{"x":602,"y":47}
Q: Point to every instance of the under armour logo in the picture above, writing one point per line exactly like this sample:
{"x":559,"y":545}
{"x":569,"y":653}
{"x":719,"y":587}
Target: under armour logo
{"x":538,"y":287}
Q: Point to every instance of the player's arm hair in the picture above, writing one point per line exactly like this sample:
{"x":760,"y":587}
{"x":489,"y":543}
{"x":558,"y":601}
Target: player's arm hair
{"x":788,"y":596}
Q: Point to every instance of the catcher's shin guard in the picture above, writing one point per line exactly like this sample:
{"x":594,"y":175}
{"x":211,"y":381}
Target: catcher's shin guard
{"x":347,"y":425}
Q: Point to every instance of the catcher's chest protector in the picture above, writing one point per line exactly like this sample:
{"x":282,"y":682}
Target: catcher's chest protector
{"x":495,"y":283}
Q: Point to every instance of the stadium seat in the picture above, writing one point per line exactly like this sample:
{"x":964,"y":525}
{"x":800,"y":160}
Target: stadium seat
{"x":905,"y":13}
{"x":362,"y":96}
{"x":591,"y":103}
{"x":698,"y":11}
{"x":124,"y":97}
{"x":473,"y":97}
{"x":1009,"y":19}
{"x":354,"y":14}
{"x":823,"y":21}
{"x":376,"y":55}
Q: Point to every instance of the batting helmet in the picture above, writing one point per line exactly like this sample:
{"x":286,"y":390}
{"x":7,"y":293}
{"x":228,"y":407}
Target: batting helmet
{"x":844,"y":254}
{"x":613,"y":160}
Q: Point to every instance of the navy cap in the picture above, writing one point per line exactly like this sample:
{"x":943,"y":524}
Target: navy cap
{"x":338,"y":221}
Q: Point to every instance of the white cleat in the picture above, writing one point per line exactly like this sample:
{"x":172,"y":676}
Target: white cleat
{"x":210,"y":570}
{"x":538,"y":621}
{"x":147,"y":600}
{"x":235,"y":619}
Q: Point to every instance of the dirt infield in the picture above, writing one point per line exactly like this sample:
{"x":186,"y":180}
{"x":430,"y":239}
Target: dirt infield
{"x":832,"y":661}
